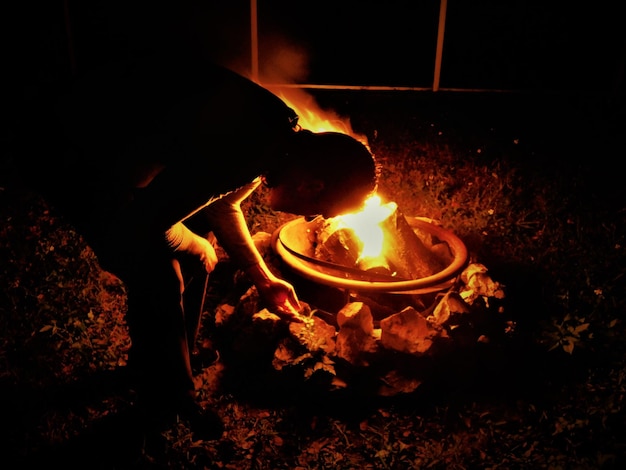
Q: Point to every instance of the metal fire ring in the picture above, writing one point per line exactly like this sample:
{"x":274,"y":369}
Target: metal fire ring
{"x":308,"y":267}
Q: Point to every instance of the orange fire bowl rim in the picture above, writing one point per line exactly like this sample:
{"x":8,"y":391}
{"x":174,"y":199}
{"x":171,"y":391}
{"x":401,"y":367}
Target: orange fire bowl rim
{"x":439,"y":281}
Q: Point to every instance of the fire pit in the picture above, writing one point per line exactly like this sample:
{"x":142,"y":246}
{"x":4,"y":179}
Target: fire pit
{"x":297,"y":244}
{"x":388,"y":313}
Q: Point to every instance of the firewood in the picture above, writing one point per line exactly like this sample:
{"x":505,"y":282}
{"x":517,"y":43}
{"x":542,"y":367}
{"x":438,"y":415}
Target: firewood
{"x":340,"y":247}
{"x":404,"y":255}
{"x":405,"y":251}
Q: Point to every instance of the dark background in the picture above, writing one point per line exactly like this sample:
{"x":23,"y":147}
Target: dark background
{"x":489,"y":44}
{"x":554,"y":61}
{"x":555,"y":239}
{"x":558,"y":66}
{"x":559,"y":54}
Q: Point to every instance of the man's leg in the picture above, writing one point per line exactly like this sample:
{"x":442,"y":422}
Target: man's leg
{"x":159,"y":353}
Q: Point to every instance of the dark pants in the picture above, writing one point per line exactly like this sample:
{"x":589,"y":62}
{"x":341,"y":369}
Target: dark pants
{"x":165,"y":298}
{"x":164,"y":295}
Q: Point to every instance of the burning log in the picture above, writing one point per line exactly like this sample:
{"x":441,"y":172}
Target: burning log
{"x":403,"y":255}
{"x":405,"y":251}
{"x":340,"y":246}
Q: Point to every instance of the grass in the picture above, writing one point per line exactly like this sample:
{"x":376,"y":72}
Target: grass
{"x":528,"y":183}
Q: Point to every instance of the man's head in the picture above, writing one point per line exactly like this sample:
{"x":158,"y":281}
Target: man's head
{"x":326,"y":173}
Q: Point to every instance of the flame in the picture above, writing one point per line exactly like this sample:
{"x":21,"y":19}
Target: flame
{"x":366,"y":225}
{"x":313,"y":118}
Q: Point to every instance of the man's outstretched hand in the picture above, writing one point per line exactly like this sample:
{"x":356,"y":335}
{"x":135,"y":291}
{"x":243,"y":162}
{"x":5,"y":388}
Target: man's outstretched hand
{"x":282,"y":300}
{"x":279,"y":295}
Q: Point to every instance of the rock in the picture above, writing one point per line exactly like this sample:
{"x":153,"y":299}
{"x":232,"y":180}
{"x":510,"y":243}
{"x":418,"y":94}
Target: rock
{"x":408,"y":331}
{"x":395,"y":383}
{"x":356,"y":338}
{"x":356,"y":315}
{"x":451,"y":305}
{"x":314,"y":334}
{"x":479,"y":285}
{"x":354,"y":345}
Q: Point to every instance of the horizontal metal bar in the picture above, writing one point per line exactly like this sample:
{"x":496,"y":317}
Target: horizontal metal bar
{"x":313,"y":86}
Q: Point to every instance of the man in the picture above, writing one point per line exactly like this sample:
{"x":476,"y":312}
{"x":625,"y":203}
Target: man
{"x":146,"y":160}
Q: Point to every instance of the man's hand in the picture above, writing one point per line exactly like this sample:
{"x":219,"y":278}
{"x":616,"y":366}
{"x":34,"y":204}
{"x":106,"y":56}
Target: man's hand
{"x":203,"y":249}
{"x":279,"y":295}
{"x":183,"y":241}
{"x":282,"y":299}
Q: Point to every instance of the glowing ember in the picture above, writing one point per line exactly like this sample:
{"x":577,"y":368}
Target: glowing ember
{"x":366,"y":226}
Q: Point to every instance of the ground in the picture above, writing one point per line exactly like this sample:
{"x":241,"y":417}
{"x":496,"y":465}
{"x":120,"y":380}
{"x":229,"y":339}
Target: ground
{"x":529,"y":183}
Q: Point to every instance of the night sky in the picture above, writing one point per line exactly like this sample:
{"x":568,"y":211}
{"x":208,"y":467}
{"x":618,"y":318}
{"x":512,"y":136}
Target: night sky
{"x":527,"y":45}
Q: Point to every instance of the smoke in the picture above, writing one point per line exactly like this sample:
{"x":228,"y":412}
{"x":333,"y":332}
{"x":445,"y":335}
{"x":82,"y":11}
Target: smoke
{"x":283,"y":64}
{"x":281,"y":60}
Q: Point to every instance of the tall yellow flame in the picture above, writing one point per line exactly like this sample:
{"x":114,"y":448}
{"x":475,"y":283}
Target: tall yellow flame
{"x":313,"y":118}
{"x":366,"y":225}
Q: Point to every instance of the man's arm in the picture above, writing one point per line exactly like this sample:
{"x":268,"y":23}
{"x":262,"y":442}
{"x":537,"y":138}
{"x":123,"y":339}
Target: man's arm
{"x":182,"y":240}
{"x":230,"y":228}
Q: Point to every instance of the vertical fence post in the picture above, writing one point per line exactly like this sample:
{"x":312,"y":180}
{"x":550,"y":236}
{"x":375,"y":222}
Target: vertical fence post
{"x":69,"y":36}
{"x":254,"y":42}
{"x":443,"y":6}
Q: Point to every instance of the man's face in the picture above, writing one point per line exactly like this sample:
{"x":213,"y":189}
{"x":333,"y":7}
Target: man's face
{"x":307,"y":199}
{"x":290,"y":197}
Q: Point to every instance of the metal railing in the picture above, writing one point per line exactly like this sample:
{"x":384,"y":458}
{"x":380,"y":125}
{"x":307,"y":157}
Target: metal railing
{"x":443,"y":6}
{"x":254,"y":54}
